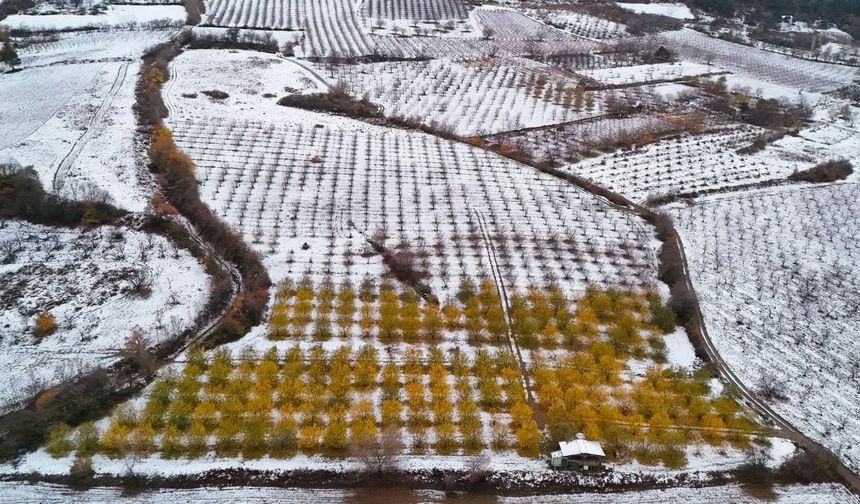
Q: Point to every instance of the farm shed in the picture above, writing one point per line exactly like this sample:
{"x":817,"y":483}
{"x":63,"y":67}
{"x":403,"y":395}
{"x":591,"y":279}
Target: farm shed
{"x":578,"y":454}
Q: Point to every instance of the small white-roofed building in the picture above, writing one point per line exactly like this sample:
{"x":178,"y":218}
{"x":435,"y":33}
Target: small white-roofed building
{"x":578,"y":453}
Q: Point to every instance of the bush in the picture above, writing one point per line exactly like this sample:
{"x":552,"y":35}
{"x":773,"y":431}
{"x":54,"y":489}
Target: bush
{"x":336,"y":100}
{"x":45,"y":324}
{"x":59,"y":444}
{"x":662,"y":316}
{"x":829,"y":171}
{"x":216,"y":94}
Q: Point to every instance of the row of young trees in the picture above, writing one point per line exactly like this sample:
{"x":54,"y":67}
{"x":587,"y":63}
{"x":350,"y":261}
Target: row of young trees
{"x":317,"y":402}
{"x":540,"y":318}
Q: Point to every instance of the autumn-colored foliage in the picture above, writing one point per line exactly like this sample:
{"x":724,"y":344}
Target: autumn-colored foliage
{"x":44,"y":324}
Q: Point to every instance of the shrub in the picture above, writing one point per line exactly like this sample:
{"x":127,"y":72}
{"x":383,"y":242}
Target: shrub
{"x":662,"y":316}
{"x":829,"y":171}
{"x":216,"y":94}
{"x":336,"y":100}
{"x":59,"y":444}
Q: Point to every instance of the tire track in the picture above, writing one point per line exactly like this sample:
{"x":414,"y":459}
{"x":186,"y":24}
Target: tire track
{"x":506,"y":308}
{"x":92,"y":128}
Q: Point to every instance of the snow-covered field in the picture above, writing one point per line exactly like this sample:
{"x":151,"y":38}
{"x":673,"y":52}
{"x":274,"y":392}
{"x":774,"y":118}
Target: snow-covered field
{"x":648,"y":73}
{"x":672,"y":10}
{"x":72,"y":119}
{"x":86,"y":279}
{"x":333,"y":27}
{"x":696,"y":163}
{"x":294,"y":177}
{"x":425,"y":10}
{"x":801,"y":75}
{"x":115,"y":16}
{"x":470,"y":97}
{"x":568,"y":140}
{"x":579,"y":23}
{"x":435,"y":193}
{"x":776,"y":273}
{"x":15,"y":493}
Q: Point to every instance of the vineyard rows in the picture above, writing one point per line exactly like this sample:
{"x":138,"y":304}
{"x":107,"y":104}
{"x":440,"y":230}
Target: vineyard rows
{"x":272,"y":14}
{"x":777,"y":273}
{"x":472,"y":98}
{"x":310,"y":198}
{"x":332,"y":27}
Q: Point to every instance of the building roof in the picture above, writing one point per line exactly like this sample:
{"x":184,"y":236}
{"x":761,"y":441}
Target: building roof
{"x":580,"y":447}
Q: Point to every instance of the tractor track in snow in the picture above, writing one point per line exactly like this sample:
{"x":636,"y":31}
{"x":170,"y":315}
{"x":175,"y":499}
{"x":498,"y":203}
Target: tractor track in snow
{"x":93,"y":127}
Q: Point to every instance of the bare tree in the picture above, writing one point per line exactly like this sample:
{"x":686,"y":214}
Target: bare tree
{"x":378,"y":455}
{"x":136,"y":348}
{"x":141,"y":281}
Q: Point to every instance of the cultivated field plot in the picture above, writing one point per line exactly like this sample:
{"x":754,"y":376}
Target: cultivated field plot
{"x":310,"y":399}
{"x":567,"y":141}
{"x":776,"y":273}
{"x":332,"y":27}
{"x":691,"y":164}
{"x":511,"y":24}
{"x":332,"y":183}
{"x":451,"y":47}
{"x":472,"y":97}
{"x":580,"y":24}
{"x":672,"y":10}
{"x":826,"y":141}
{"x":97,"y":285}
{"x":422,"y":10}
{"x":311,"y":197}
{"x":798,"y":74}
{"x":642,"y":74}
{"x":271,"y":14}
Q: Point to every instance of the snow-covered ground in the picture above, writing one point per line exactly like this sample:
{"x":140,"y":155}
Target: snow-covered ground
{"x":696,"y":163}
{"x":776,"y":274}
{"x":649,"y":73}
{"x":750,"y":62}
{"x":253,"y":81}
{"x":672,"y":10}
{"x":471,"y":97}
{"x":86,"y":279}
{"x":15,"y":492}
{"x":293,"y":177}
{"x":71,"y":117}
{"x":115,"y":16}
{"x":579,"y":23}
